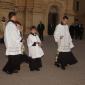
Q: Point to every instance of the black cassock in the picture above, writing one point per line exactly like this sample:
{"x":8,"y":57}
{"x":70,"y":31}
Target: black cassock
{"x":14,"y":62}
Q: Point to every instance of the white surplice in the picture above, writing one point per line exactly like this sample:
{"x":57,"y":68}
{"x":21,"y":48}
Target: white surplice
{"x":12,"y":39}
{"x":63,"y":38}
{"x":34,"y":51}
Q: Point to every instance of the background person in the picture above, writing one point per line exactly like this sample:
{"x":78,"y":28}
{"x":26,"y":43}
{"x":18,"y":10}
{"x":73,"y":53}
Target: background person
{"x":40,"y":29}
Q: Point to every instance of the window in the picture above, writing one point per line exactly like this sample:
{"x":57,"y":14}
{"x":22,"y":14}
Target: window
{"x":77,"y":5}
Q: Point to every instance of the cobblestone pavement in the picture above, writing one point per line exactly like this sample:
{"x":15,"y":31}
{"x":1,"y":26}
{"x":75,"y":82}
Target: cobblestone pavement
{"x":49,"y":74}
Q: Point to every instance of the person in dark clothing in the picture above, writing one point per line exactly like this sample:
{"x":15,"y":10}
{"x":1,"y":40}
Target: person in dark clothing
{"x":49,"y":29}
{"x":81,"y":32}
{"x":77,"y":27}
{"x":72,"y":31}
{"x":40,"y":29}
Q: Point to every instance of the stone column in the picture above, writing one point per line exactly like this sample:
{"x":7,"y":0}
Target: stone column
{"x":70,"y":10}
{"x":28,"y":15}
{"x":37,"y":12}
{"x":25,"y":16}
{"x":29,"y":19}
{"x":5,"y":8}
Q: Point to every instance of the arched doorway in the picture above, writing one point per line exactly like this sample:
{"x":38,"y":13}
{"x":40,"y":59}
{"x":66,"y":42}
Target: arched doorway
{"x":53,"y":19}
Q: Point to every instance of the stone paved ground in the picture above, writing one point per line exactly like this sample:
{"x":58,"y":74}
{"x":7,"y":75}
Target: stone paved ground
{"x":49,"y":74}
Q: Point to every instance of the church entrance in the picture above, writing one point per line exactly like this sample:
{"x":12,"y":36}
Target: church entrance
{"x":52,"y":19}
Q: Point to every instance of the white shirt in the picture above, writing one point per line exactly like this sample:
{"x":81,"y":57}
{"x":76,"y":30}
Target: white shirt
{"x":65,"y":44}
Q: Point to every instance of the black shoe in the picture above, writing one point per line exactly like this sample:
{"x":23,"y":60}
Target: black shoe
{"x":63,"y":68}
{"x":57,"y":64}
{"x":16,"y":71}
{"x":37,"y":69}
{"x":8,"y":72}
{"x":32,"y":70}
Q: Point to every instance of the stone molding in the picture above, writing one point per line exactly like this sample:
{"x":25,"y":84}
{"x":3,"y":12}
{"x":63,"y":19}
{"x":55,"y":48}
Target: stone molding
{"x":7,"y":5}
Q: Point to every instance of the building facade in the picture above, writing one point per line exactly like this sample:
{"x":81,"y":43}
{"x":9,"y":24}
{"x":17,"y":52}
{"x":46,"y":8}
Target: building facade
{"x":80,"y":12}
{"x":31,"y":12}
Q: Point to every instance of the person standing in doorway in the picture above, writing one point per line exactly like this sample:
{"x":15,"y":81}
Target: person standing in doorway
{"x":72,"y":31}
{"x":81,"y":32}
{"x":40,"y":29}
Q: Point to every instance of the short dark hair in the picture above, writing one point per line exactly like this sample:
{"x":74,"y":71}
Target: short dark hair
{"x":33,"y":27}
{"x":65,"y":17}
{"x":11,"y":14}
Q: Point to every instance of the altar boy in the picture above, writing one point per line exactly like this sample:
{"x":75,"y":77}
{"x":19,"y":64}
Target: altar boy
{"x":35,"y":50}
{"x":14,"y":46}
{"x":65,"y":44}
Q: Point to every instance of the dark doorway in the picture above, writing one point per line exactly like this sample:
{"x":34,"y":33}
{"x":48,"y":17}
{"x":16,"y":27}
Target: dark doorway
{"x":52,"y":20}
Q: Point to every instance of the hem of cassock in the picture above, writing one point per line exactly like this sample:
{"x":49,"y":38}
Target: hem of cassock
{"x":65,"y":58}
{"x":35,"y":63}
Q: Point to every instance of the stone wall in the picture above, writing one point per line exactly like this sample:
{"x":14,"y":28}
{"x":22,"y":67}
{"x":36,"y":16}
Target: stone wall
{"x":5,"y":7}
{"x":81,"y":13}
{"x":31,"y":12}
